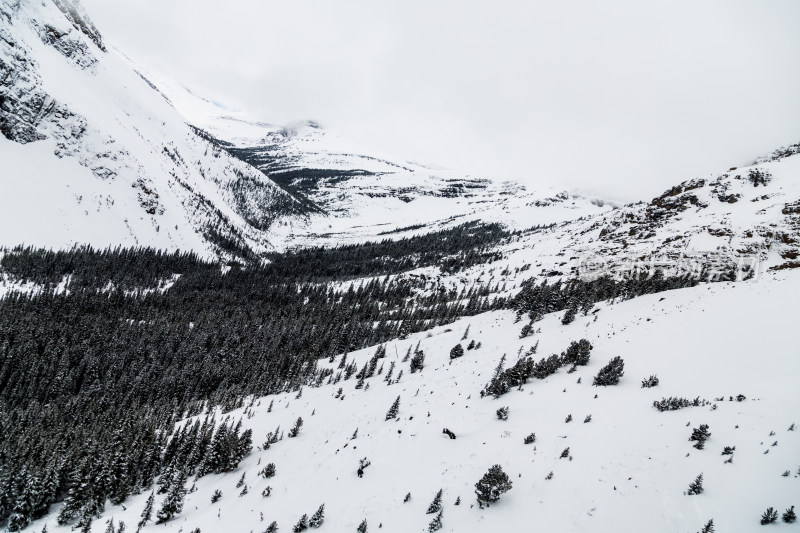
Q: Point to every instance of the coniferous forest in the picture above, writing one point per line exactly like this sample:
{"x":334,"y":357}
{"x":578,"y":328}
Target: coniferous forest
{"x":94,"y":377}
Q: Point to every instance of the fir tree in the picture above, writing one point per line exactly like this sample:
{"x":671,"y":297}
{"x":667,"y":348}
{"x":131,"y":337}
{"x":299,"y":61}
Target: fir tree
{"x":436,"y":523}
{"x":696,"y":486}
{"x":272,"y":528}
{"x":295,"y":431}
{"x":362,"y":527}
{"x":173,"y":503}
{"x":436,"y":504}
{"x":610,"y":374}
{"x":392,"y":413}
{"x":147,"y":513}
{"x":494,"y":483}
{"x":708,"y":528}
{"x":301,"y":525}
{"x":318,"y":517}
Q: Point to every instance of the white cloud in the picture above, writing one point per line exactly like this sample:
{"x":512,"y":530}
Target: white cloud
{"x":623,"y":98}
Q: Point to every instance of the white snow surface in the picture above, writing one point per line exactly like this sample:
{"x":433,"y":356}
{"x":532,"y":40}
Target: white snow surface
{"x":628,"y":469}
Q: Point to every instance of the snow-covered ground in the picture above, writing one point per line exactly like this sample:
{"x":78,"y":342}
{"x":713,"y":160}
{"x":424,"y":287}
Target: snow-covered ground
{"x":627,"y":469}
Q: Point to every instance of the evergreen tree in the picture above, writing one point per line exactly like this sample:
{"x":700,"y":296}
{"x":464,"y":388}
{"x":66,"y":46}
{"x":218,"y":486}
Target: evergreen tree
{"x":789,"y":515}
{"x":456,"y":351}
{"x":494,"y":483}
{"x":147,"y":513}
{"x":272,"y":528}
{"x":301,"y":525}
{"x":362,"y":527}
{"x":436,"y":523}
{"x":173,"y":502}
{"x":708,"y":528}
{"x":770,"y":516}
{"x":610,"y":374}
{"x":295,"y":431}
{"x":318,"y":517}
{"x":392,"y":413}
{"x":696,"y":486}
{"x":436,"y":504}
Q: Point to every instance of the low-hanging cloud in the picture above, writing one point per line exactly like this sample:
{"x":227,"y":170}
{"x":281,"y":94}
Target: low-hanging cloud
{"x":620,"y":98}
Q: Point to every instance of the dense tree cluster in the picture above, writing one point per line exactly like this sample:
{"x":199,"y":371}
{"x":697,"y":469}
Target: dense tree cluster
{"x":92,"y":380}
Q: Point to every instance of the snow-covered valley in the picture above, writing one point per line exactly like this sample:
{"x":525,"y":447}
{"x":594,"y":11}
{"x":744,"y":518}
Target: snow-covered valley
{"x":628,"y":467}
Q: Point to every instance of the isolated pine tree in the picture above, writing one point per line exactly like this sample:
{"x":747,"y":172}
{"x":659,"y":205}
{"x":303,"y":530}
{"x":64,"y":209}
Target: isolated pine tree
{"x":392,"y":413}
{"x":696,"y":486}
{"x":569,"y":316}
{"x":708,"y":528}
{"x":436,"y":504}
{"x":295,"y":431}
{"x":272,"y":528}
{"x":417,"y":362}
{"x":173,"y":503}
{"x":789,"y":515}
{"x":362,"y":527}
{"x":494,"y":483}
{"x":318,"y":517}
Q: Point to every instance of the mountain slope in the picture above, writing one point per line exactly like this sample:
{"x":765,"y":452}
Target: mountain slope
{"x":93,"y":146}
{"x":629,"y":465}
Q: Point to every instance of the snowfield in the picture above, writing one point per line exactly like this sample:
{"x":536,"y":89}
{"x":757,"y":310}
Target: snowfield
{"x":627,"y":469}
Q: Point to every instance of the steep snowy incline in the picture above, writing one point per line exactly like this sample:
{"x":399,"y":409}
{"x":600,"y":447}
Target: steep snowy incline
{"x":93,"y":153}
{"x":626,"y":467}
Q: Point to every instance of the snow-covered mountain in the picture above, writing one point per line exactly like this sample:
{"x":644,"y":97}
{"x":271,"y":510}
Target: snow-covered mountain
{"x":93,"y":153}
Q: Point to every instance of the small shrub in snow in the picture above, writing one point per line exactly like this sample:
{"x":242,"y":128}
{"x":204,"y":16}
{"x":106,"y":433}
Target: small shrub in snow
{"x":458,"y":501}
{"x":568,"y":419}
{"x":785,"y":473}
{"x":268,"y":471}
{"x":362,"y":465}
{"x":417,"y":362}
{"x":494,"y":483}
{"x":587,"y":419}
{"x":789,"y":515}
{"x":266,"y":492}
{"x":549,"y":476}
{"x":675,"y":403}
{"x":770,"y":516}
{"x":610,"y":374}
{"x":362,"y":527}
{"x":728,"y":450}
{"x":530,"y":439}
{"x":758,"y":176}
{"x":652,"y":381}
{"x":565,"y":453}
{"x":407,"y":498}
{"x":700,"y":436}
{"x":241,"y":481}
{"x":569,"y":316}
{"x":245,"y":490}
{"x":456,"y":351}
{"x":216,"y":496}
{"x":696,"y":486}
{"x":272,"y":528}
{"x":502,"y":413}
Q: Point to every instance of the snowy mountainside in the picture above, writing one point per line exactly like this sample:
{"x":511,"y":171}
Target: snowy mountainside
{"x":93,"y":147}
{"x":626,"y":466}
{"x":363,"y":197}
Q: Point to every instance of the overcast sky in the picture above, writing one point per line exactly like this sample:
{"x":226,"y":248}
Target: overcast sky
{"x":620,"y":98}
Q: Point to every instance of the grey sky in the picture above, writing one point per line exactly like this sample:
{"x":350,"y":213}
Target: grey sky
{"x":620,"y":98}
